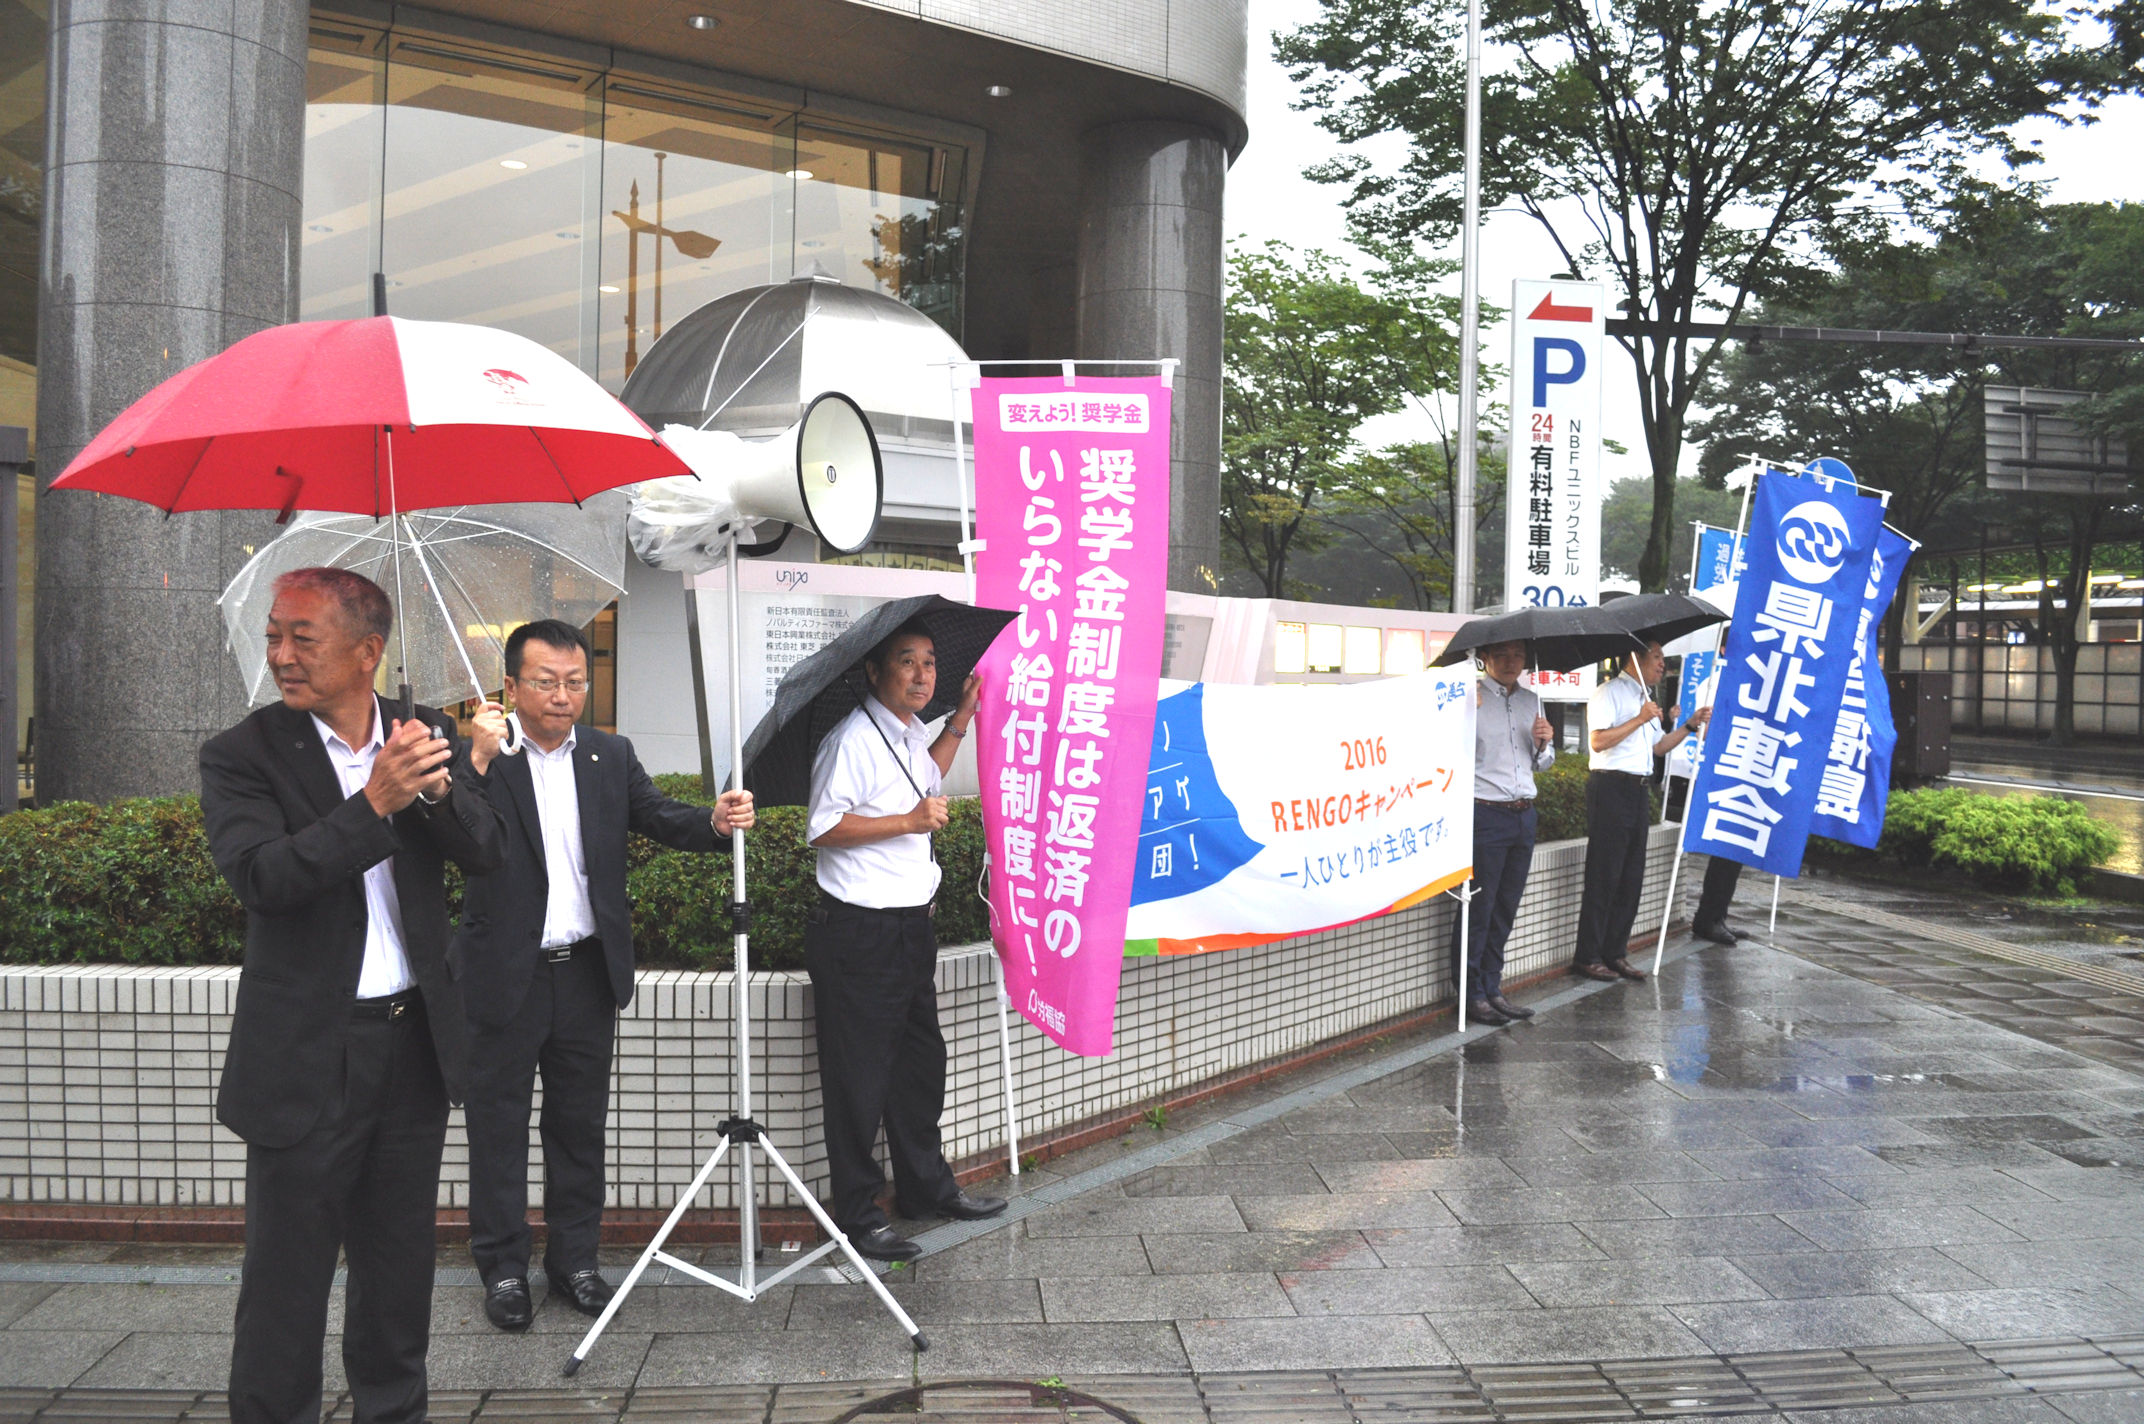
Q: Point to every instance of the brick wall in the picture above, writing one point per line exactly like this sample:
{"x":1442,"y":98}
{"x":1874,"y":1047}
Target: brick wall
{"x":108,"y":1073}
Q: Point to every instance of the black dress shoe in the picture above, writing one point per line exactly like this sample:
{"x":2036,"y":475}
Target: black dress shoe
{"x":966,"y":1208}
{"x":585,"y":1291}
{"x":1626,"y":969}
{"x":1508,"y":1009}
{"x":883,"y":1243}
{"x":1595,"y":971}
{"x":507,"y":1305}
{"x":1480,"y":1012}
{"x":1718,"y":934}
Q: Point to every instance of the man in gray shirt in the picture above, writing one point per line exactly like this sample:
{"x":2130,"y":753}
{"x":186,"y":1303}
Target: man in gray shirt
{"x":1512,"y":741}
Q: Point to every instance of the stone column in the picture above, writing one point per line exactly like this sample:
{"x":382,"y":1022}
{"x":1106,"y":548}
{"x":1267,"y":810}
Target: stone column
{"x":173,"y":188}
{"x":1150,"y":285}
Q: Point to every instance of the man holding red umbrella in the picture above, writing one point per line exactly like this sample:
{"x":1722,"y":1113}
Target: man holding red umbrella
{"x":333,"y":821}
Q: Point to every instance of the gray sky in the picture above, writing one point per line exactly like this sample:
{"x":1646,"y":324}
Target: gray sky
{"x":1269,"y":197}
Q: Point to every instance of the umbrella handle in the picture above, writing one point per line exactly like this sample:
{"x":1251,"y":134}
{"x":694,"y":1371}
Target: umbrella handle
{"x":516,"y":740}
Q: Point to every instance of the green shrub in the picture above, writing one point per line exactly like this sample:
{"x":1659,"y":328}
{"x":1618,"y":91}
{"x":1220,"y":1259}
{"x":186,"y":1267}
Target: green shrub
{"x":1560,"y":799}
{"x":2035,"y":843}
{"x":132,"y":882}
{"x":1913,"y":819}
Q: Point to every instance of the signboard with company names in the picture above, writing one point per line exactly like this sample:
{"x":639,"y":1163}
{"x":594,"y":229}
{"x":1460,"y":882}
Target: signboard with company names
{"x":1552,"y":538}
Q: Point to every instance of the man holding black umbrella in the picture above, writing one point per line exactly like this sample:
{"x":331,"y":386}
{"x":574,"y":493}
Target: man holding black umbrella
{"x":871,"y":951}
{"x":1512,"y":741}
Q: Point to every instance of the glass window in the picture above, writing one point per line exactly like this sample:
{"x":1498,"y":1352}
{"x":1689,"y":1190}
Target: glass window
{"x":346,"y":84}
{"x":1290,"y":648}
{"x":1327,"y":647}
{"x":1404,"y":650}
{"x":1365,"y":651}
{"x":881,"y":214}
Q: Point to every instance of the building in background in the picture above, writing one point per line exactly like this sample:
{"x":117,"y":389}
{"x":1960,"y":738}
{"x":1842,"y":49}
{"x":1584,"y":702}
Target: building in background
{"x":1041,"y":180}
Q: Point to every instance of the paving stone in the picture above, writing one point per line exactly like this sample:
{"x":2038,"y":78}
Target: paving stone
{"x":1178,"y":1254}
{"x":1482,"y":1245}
{"x":1013,"y":1253}
{"x":1874,"y":1228}
{"x":1038,"y":1351}
{"x":1419,"y":1175}
{"x":1645,"y":1281}
{"x":1167,"y":1297}
{"x":1801,"y":1275}
{"x":2010,"y":1314}
{"x":1602,"y":1202}
{"x":1580,"y":1333}
{"x":1349,"y":1211}
{"x":1737,"y":1326}
{"x":1233,"y":1179}
{"x":1291,"y":1344}
{"x":1097,"y":1214}
{"x":1405,"y":1291}
{"x":52,"y":1358}
{"x":779,"y":1357}
{"x":1790,"y":1194}
{"x":933,"y":1302}
{"x":1694,"y":1236}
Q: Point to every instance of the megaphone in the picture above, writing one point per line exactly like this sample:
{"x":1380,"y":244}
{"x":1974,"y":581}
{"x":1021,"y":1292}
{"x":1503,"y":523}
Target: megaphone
{"x":823,"y":473}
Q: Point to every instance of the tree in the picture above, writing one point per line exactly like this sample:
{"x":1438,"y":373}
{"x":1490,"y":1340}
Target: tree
{"x":1690,"y":151}
{"x":1400,"y":502}
{"x":1626,"y":521}
{"x":1308,"y":356}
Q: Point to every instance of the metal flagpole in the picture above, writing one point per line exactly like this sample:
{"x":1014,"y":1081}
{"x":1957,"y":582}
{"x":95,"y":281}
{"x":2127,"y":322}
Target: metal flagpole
{"x":1667,"y":781}
{"x":1469,"y":334}
{"x":1466,"y":903}
{"x":970,"y":546}
{"x":1773,"y":932}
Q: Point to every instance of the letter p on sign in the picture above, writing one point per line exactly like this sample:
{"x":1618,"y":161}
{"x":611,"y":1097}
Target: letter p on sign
{"x":1544,"y":377}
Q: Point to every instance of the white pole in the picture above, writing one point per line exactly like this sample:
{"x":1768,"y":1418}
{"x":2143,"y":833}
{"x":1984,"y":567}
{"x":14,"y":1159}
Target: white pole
{"x":741,"y":982}
{"x":1469,"y":334}
{"x":959,"y":377}
{"x":1667,"y":912}
{"x":1773,"y":932}
{"x":1466,"y":901}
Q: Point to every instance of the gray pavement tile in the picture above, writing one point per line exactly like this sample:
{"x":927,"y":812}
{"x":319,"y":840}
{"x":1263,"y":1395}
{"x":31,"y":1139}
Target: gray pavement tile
{"x":1270,"y":1142}
{"x":1262,"y":1251}
{"x":1694,"y":1236}
{"x":1405,"y":1291}
{"x":1878,"y":1227}
{"x":1173,"y":1297}
{"x":1743,"y":1198}
{"x":459,"y":1310}
{"x":1099,"y":1214}
{"x":832,"y":1307}
{"x":1804,"y":1274}
{"x":48,"y":1359}
{"x":127,"y":1308}
{"x":1341,"y":1116}
{"x":2025,"y":1314}
{"x":497,"y":1361}
{"x":2072,"y":1183}
{"x":2044,"y":1219}
{"x":1590,"y":1203}
{"x":1735,"y":1327}
{"x":1950,"y":1156}
{"x":1870,"y":1132}
{"x":1038,"y":1351}
{"x":1012,"y":1253}
{"x":1653,"y":1280}
{"x":1982,"y":1186}
{"x":2114,"y":1406}
{"x":1947,"y":1411}
{"x":1482,"y":1245}
{"x":1578,"y":1333}
{"x":877,"y":1350}
{"x":17,"y":1298}
{"x":1682,"y":1136}
{"x":2011,"y":1127}
{"x":168,"y":1360}
{"x":1349,"y":1211}
{"x":1358,"y":1342}
{"x":1478,"y":1140}
{"x":1418,"y":1174}
{"x":1796,"y":1162}
{"x":2082,"y":1264}
{"x":1660,"y":1165}
{"x":1231,"y":1179}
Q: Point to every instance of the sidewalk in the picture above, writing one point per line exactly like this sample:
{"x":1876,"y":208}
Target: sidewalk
{"x":1839,"y":1172}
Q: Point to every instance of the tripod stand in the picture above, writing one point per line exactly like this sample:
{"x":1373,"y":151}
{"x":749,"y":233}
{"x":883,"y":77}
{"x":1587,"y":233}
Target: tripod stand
{"x":741,"y":1133}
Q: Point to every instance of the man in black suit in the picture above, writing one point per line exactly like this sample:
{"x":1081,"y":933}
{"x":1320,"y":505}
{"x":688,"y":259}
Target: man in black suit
{"x":333,"y":822}
{"x":544,"y":954}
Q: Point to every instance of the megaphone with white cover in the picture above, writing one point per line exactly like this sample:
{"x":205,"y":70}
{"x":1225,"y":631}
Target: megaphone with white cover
{"x":824,"y":473}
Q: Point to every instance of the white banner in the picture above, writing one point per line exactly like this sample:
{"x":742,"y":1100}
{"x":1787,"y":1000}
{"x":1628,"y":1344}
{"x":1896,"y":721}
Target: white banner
{"x":1552,"y":530}
{"x":1370,"y":809}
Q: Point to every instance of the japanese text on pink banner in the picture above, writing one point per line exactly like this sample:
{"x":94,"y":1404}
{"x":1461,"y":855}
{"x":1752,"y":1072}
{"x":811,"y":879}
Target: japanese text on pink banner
{"x":1072,"y":506}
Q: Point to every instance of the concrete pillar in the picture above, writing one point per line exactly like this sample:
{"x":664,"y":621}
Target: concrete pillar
{"x":173,"y":189}
{"x":1150,"y":285}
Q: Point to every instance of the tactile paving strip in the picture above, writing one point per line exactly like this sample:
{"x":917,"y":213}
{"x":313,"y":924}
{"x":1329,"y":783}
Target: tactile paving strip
{"x":1979,"y":943}
{"x":1603,"y":1392}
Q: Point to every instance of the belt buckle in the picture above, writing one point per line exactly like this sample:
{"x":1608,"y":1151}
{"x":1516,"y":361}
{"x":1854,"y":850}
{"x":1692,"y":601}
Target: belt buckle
{"x":558,"y":954}
{"x":396,"y":1009}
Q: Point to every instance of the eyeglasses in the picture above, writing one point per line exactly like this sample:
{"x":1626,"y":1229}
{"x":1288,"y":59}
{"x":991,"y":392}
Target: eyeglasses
{"x":545,"y":686}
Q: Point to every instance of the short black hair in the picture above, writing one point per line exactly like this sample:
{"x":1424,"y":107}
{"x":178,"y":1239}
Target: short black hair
{"x":913,"y":628}
{"x":552,"y":633}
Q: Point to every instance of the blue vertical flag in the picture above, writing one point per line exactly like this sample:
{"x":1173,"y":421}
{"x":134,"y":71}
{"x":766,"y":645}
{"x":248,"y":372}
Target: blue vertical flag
{"x":1718,"y":562}
{"x":1857,"y":769}
{"x":1784,"y":668}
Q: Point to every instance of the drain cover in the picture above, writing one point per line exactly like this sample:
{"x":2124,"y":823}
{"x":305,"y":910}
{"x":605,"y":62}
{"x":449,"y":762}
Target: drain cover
{"x":988,"y":1402}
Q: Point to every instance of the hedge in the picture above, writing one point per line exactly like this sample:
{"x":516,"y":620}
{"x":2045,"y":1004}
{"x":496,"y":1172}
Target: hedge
{"x":132,"y":882}
{"x":1560,"y":800}
{"x":2038,"y":844}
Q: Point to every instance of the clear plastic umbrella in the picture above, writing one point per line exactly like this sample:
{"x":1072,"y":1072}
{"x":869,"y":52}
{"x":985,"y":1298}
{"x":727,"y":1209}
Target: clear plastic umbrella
{"x":470,"y":576}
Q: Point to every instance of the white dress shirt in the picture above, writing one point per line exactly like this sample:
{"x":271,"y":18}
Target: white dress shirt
{"x":854,"y":771}
{"x":568,"y":917}
{"x":1505,"y":756}
{"x":1612,"y":706}
{"x":386,"y":968}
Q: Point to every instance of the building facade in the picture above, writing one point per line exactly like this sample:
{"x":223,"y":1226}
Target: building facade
{"x":1041,"y":180}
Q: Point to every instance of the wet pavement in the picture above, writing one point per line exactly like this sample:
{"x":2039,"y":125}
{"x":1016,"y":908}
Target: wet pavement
{"x":1853,"y":1170}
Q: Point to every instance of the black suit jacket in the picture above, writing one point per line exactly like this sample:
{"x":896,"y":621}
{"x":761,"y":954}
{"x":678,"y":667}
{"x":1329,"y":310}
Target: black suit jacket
{"x":295,"y":850}
{"x":495,"y":947}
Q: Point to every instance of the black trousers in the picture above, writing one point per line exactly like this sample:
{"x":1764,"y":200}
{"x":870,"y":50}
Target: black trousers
{"x":1617,"y":818}
{"x":1503,"y":854}
{"x":564,"y":1032}
{"x":365,"y":1182}
{"x":1719,"y":892}
{"x":881,"y":1058}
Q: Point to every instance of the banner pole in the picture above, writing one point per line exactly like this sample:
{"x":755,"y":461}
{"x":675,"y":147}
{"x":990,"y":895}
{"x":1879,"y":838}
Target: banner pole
{"x":1773,"y":932}
{"x":1667,"y":913}
{"x":1466,"y":902}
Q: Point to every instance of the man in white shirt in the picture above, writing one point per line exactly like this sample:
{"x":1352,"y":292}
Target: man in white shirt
{"x":1626,"y":733}
{"x":1512,"y":741}
{"x":544,"y":953}
{"x":869,"y":945}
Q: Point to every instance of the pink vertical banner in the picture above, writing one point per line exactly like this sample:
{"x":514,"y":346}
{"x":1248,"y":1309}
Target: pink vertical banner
{"x":1072,"y":506}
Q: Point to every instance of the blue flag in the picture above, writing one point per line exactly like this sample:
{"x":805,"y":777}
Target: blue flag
{"x":1716,"y":564}
{"x":1856,"y":782}
{"x":1783,"y":671}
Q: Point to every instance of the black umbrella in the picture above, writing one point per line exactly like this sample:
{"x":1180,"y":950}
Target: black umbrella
{"x":827,"y":686}
{"x":1558,"y":639}
{"x":1662,"y":617}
